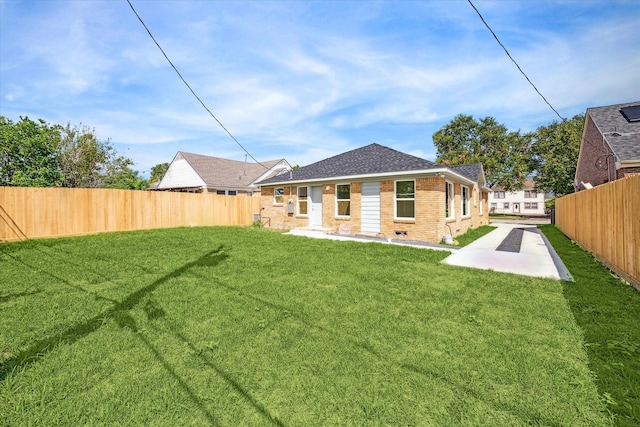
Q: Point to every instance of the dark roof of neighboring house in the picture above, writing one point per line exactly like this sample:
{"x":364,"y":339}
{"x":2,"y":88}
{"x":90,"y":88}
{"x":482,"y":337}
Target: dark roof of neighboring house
{"x":216,"y":171}
{"x":368,"y":160}
{"x":622,"y":135}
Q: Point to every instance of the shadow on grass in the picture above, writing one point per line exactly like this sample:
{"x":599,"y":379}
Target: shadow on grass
{"x":9,"y":297}
{"x":74,"y":333}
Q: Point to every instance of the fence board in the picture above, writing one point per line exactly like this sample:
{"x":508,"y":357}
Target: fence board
{"x":605,"y":221}
{"x":29,"y":212}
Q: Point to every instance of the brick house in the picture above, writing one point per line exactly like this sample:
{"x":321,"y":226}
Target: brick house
{"x":610,"y":147}
{"x":378,"y":191}
{"x":197,"y":173}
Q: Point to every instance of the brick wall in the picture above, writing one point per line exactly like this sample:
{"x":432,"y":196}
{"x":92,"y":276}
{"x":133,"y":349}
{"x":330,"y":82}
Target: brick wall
{"x":592,"y":164}
{"x":429,"y":224}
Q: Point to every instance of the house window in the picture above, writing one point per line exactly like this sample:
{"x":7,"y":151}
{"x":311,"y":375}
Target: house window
{"x":448,"y":190}
{"x":506,"y":205}
{"x":226,"y":192}
{"x":406,"y":199}
{"x":530,"y":194}
{"x":343,"y":199}
{"x":531,"y":205}
{"x":249,"y":193}
{"x":232,"y":193}
{"x":303,"y":200}
{"x":221,"y":192}
{"x":465,"y":200}
{"x":278,"y":196}
{"x":494,"y":206}
{"x":481,"y":201}
{"x":498,"y":194}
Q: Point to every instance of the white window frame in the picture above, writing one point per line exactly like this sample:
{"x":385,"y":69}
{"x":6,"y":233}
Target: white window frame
{"x":305,"y":199}
{"x":450,"y":192}
{"x":465,"y":204}
{"x":404,"y":199}
{"x":506,"y":205}
{"x":347,"y":184}
{"x":275,"y":196}
{"x":480,"y":199}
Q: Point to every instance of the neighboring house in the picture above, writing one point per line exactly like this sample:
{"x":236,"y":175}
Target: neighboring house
{"x":206,"y":174}
{"x":610,"y":147}
{"x":527,"y":201}
{"x":378,"y":191}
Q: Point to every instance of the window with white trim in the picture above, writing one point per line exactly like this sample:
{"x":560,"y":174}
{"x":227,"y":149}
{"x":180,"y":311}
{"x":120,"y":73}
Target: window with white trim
{"x":506,"y":205}
{"x":528,"y":205}
{"x":530,"y":194}
{"x":278,"y":195}
{"x":465,"y":200}
{"x":449,"y":199}
{"x":303,"y":200}
{"x":343,"y":199}
{"x":498,"y":195}
{"x":481,"y":201}
{"x":405,"y":199}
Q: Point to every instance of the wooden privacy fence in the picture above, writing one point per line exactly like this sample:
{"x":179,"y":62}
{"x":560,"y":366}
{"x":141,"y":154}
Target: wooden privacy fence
{"x":51,"y":212}
{"x":605,"y":221}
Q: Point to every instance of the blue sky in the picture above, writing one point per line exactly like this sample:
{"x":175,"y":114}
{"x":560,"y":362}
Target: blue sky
{"x":307,"y":80}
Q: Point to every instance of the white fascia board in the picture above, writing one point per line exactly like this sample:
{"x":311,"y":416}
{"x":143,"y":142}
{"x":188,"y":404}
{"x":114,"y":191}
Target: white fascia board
{"x":444,"y":172}
{"x":628,"y":164}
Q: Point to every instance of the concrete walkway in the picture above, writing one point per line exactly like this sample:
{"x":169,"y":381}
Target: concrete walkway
{"x":512,"y":248}
{"x":518,"y":248}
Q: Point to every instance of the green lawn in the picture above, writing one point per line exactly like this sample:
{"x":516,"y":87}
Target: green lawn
{"x":245,"y":326}
{"x":608,"y":311}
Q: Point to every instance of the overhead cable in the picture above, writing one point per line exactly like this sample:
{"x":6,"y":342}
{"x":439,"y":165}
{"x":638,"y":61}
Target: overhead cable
{"x":514,"y":61}
{"x":189,"y":87}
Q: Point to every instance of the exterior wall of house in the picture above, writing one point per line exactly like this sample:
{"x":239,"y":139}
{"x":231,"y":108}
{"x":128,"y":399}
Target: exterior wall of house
{"x":180,"y":174}
{"x":595,"y":165}
{"x":429,"y":224}
{"x":517,"y":202}
{"x":625,"y":172}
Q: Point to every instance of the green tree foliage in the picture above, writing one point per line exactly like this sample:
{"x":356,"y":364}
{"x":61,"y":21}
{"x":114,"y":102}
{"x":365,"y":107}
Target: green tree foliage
{"x":158,"y":171}
{"x":554,"y":154}
{"x":28,"y":153}
{"x":43,"y":155}
{"x":504,"y":155}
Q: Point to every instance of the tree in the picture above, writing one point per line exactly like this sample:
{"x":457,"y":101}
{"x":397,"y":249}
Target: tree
{"x":555,"y":151}
{"x":41,"y":155}
{"x":28,"y":155}
{"x":158,"y":171}
{"x":89,"y":163}
{"x":504,"y":155}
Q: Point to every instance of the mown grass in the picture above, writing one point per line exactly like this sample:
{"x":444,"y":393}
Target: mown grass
{"x":608,"y":311}
{"x":474,"y":234}
{"x":232,"y":326}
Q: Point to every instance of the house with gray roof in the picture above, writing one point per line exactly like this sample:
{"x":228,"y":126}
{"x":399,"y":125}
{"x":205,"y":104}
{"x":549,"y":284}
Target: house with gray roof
{"x":378,"y":191}
{"x":610,"y":147}
{"x":207,"y":174}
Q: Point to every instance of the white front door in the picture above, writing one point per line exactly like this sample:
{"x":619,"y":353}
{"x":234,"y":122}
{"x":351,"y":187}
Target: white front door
{"x":516,"y":207}
{"x":370,"y":207}
{"x":315,"y":216}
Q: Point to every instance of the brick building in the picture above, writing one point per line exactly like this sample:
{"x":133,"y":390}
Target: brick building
{"x":610,"y":147}
{"x":378,"y":191}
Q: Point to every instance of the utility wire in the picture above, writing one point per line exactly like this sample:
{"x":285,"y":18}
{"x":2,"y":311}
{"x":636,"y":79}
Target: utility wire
{"x":513,"y":60}
{"x":187,"y":84}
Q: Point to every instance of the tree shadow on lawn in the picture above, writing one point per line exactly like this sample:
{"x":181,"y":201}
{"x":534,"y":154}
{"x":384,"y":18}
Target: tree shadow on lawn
{"x":75,"y":333}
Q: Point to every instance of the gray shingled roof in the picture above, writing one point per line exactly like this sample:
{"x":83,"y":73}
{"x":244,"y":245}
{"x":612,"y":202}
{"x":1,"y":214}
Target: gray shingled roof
{"x":368,"y":160}
{"x":473,"y":171}
{"x":218,"y":172}
{"x":622,"y":136}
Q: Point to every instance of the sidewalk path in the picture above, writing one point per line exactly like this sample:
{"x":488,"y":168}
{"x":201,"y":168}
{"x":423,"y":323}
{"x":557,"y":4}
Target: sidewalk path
{"x":512,"y":248}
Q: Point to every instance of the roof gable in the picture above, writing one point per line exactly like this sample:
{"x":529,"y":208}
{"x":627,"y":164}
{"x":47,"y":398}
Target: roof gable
{"x":216,"y":172}
{"x":622,"y":134}
{"x":368,"y":160}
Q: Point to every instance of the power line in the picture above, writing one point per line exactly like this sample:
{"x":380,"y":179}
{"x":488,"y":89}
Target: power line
{"x":514,"y":61}
{"x":187,"y":84}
